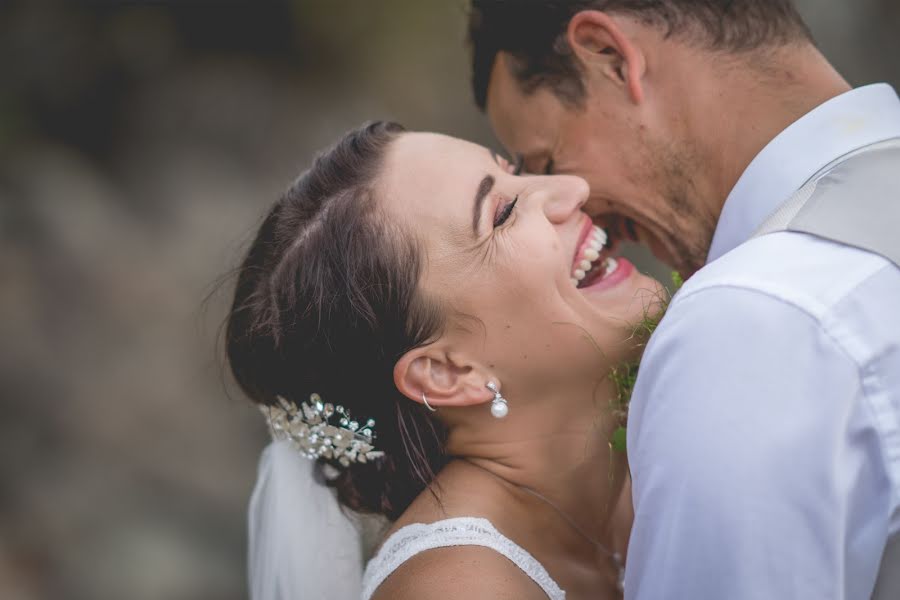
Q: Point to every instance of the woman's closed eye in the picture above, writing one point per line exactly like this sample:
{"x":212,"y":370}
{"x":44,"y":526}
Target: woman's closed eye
{"x":505,"y":212}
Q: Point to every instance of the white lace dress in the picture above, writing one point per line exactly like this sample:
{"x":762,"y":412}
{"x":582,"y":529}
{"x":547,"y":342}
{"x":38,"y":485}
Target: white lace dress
{"x":408,"y":541}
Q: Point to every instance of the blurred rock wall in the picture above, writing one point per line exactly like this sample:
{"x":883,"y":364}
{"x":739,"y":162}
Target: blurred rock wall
{"x":140,"y":144}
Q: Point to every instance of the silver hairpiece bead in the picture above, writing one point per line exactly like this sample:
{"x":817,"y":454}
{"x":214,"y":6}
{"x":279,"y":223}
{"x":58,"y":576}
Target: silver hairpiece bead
{"x":310,"y":430}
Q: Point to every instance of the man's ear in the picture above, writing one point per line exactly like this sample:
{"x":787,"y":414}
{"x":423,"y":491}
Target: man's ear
{"x":602,"y":46}
{"x":446,"y":379}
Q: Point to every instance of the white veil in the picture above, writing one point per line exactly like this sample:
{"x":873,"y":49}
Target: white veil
{"x":302,"y":546}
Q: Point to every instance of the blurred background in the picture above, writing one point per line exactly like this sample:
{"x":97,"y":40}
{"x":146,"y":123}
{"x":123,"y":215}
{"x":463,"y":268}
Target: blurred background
{"x":140,"y":144}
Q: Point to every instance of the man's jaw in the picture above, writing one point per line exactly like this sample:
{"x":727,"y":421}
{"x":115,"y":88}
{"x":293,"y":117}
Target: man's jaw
{"x":622,"y":229}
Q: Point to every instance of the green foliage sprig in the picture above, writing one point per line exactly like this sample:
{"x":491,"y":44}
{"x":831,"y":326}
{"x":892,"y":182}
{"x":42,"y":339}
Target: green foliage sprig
{"x":624,"y":376}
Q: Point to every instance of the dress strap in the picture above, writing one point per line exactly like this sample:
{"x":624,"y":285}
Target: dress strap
{"x":408,"y":541}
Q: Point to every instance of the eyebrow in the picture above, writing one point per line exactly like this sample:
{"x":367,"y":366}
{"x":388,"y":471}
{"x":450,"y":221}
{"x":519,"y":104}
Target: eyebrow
{"x":484,"y":188}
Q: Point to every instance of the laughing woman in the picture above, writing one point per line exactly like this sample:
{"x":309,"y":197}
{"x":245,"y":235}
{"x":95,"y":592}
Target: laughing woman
{"x":464,"y":319}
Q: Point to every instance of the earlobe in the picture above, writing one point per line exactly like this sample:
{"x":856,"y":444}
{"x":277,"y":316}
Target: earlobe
{"x":602,"y":46}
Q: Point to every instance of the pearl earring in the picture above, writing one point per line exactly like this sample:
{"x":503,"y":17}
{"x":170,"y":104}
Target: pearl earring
{"x":499,"y":407}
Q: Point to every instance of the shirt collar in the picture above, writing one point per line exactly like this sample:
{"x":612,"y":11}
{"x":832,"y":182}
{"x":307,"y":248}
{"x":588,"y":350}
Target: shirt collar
{"x":848,"y":122}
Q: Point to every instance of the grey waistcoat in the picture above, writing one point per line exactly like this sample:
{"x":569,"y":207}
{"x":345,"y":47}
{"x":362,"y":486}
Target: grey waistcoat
{"x":854,"y":201}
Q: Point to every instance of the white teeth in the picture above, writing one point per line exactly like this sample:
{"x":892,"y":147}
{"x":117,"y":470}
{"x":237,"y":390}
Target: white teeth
{"x":589,"y":254}
{"x":611,"y":265}
{"x":575,"y":282}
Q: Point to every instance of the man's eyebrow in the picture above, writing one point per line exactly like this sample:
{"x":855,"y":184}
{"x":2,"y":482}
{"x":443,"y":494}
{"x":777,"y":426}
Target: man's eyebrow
{"x":484,"y":188}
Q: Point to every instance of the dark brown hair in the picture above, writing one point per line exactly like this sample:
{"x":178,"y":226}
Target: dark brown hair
{"x":326,"y":301}
{"x":533,"y":32}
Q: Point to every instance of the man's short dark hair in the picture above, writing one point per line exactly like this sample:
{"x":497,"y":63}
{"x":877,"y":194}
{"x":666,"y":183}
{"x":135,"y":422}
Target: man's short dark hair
{"x":533,"y":33}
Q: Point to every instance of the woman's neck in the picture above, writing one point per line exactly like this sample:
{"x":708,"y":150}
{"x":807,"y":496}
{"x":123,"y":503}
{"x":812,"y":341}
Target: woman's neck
{"x":557,"y":447}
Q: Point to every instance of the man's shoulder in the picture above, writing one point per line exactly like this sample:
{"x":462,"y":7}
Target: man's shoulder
{"x":811,"y":274}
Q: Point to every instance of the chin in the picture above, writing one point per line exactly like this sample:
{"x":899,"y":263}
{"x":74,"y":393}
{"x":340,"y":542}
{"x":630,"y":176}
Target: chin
{"x":650,"y":296}
{"x":627,"y":310}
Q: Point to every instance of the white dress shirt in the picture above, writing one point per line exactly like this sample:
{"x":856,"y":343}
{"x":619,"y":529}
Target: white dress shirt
{"x":764,"y":431}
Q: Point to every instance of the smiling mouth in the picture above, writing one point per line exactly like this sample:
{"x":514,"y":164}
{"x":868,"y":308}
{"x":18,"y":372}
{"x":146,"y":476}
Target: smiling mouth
{"x":592,"y":259}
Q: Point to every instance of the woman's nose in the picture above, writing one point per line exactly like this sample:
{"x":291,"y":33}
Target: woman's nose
{"x":567,"y":195}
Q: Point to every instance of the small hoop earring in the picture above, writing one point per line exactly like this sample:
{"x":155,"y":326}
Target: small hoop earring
{"x":499,"y":407}
{"x":428,"y":406}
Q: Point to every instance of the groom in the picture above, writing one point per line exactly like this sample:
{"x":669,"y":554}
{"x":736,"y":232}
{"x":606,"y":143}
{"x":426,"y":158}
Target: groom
{"x":764,"y":432}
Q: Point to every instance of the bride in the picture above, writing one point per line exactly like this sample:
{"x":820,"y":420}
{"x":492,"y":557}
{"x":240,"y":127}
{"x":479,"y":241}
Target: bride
{"x":437,"y":331}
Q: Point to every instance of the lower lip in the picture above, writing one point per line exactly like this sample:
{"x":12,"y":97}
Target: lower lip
{"x":622,"y":273}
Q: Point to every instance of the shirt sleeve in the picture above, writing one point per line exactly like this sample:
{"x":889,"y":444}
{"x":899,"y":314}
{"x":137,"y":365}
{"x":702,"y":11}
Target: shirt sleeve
{"x":750,"y":455}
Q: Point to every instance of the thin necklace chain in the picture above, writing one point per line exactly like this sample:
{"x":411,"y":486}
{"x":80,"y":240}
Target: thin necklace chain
{"x":614,"y":556}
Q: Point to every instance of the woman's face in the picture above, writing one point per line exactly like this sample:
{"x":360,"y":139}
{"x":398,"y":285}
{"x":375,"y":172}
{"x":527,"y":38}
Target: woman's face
{"x":503,"y":255}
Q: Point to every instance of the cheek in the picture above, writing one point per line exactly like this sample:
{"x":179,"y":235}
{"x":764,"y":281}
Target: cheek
{"x":531,"y":262}
{"x":613,"y":174}
{"x":527,"y":326}
{"x":529,"y":345}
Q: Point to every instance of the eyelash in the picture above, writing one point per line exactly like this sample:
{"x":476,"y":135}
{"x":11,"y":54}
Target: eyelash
{"x":508,"y":209}
{"x":505,"y":213}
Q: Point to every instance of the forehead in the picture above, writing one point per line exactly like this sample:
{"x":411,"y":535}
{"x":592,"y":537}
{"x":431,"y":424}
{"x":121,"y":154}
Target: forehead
{"x":430,"y":179}
{"x":524,"y":123}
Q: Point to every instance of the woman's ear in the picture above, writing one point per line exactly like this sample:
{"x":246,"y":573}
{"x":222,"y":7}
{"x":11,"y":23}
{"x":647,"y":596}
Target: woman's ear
{"x":603,"y":47}
{"x":445,"y":378}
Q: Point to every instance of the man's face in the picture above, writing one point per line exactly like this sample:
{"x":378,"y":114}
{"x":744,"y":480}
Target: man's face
{"x":638,"y":166}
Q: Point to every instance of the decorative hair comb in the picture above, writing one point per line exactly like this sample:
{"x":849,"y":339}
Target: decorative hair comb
{"x":310,"y":430}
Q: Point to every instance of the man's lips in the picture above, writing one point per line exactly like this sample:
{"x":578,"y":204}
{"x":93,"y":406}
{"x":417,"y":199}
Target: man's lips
{"x":645,"y":235}
{"x":631,"y":229}
{"x":619,"y":229}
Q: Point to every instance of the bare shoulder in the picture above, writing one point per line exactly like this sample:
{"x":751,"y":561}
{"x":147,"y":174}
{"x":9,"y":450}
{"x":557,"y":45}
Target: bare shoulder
{"x":469,"y":572}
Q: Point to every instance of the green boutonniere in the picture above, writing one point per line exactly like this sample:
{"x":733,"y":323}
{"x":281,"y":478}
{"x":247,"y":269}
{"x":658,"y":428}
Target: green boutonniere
{"x":625,"y":376}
